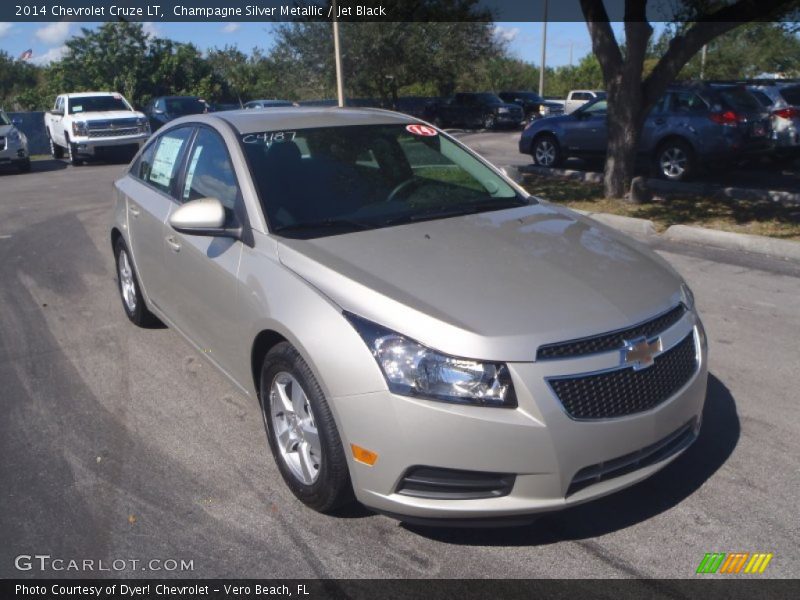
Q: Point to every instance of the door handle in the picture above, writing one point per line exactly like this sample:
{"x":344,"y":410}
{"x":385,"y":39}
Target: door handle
{"x":174,"y":244}
{"x":134,"y":210}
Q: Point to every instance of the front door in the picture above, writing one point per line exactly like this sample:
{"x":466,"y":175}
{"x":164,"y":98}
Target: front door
{"x":203,"y":287}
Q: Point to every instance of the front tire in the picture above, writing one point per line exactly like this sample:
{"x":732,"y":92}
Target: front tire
{"x":301,"y":431}
{"x":489,"y":122}
{"x":56,"y":151}
{"x":546,"y":151}
{"x":72,"y":154}
{"x":129,"y":290}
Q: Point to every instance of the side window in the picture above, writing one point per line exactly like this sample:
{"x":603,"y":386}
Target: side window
{"x":163,"y":170}
{"x":687,"y":102}
{"x":210,"y":172}
{"x":144,"y":165}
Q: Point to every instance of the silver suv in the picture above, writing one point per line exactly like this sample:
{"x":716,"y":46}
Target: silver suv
{"x":420,"y":333}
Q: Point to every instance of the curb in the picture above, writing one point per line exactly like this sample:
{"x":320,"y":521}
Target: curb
{"x":725,"y":240}
{"x":630,"y":225}
{"x":756,"y":244}
{"x":671,"y":187}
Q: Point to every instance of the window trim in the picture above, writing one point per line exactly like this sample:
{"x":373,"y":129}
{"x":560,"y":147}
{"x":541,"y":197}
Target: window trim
{"x":157,"y":139}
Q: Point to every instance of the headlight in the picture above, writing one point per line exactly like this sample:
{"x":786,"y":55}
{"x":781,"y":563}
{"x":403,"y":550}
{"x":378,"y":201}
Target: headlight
{"x":412,"y":369}
{"x":502,"y":109}
{"x":144,"y":126}
{"x":543,"y":110}
{"x":687,"y":297}
{"x":79,"y":128}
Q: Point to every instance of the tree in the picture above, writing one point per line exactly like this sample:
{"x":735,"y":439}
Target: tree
{"x":631,"y":94}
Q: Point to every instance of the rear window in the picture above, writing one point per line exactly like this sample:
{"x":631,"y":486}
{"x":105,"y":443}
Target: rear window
{"x":791,"y":95}
{"x":740,"y":99}
{"x":765,"y":100}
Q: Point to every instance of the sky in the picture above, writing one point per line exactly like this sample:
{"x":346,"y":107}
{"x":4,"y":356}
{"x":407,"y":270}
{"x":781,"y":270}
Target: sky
{"x":524,"y":39}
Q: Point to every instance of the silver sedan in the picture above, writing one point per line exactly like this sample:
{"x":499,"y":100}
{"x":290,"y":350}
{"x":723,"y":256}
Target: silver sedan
{"x":421,"y":334}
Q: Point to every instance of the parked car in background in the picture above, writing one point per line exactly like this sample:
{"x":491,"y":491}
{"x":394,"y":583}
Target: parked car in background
{"x":163,"y":109}
{"x":13,"y":144}
{"x":690,"y":126}
{"x":418,"y":331}
{"x":480,"y":110}
{"x":533,"y":105}
{"x":92,"y":124}
{"x":223,"y":106}
{"x":268,"y":104}
{"x":783,"y":101}
{"x":577,"y":98}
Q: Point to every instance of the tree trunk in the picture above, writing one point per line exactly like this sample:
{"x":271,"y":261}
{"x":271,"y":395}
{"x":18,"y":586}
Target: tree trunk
{"x":624,"y":127}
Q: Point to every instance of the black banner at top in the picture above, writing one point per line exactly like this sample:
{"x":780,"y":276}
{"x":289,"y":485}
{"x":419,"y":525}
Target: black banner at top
{"x":375,"y":10}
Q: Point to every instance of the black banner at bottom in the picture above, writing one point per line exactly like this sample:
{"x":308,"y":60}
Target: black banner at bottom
{"x":410,"y":589}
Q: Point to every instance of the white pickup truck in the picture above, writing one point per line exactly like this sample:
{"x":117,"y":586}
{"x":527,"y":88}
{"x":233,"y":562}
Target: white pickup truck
{"x":91,"y":123}
{"x":577,"y":98}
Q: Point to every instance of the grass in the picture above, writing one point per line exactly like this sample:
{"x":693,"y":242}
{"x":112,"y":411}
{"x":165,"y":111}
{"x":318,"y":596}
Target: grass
{"x":757,"y":217}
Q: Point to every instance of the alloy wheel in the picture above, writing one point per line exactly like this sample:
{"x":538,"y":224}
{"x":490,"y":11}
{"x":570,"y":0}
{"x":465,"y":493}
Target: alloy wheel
{"x":126,"y":282}
{"x":673,"y":162}
{"x":545,"y":153}
{"x":295,"y":428}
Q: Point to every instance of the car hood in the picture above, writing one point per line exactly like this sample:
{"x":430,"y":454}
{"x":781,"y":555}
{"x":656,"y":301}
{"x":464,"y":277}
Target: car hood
{"x":492,"y":286}
{"x":105,"y":115}
{"x":6,"y":130}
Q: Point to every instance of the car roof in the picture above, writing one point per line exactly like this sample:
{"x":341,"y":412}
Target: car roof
{"x":303,"y":117}
{"x":88,"y":94}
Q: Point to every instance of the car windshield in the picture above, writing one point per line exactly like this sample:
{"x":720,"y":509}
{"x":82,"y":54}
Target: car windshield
{"x":4,"y":120}
{"x":594,"y":106}
{"x":530,"y":97}
{"x":185,"y":106}
{"x":488,"y":98}
{"x":323,"y":181}
{"x":97,"y":104}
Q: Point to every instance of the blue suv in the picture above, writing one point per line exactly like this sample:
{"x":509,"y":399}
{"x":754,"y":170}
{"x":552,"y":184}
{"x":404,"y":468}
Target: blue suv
{"x":690,"y":126}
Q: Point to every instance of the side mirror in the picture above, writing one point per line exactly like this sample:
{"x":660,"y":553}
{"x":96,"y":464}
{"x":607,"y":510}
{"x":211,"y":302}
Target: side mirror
{"x":205,"y":216}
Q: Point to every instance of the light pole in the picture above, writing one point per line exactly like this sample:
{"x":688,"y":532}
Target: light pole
{"x":544,"y":51}
{"x":338,"y":58}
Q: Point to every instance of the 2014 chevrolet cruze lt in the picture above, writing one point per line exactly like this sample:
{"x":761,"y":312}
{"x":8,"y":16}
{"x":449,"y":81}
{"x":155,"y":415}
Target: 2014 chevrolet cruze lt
{"x":418,"y":330}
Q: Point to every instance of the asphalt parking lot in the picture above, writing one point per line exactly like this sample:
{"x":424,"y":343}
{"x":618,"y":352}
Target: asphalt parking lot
{"x":501,"y":147}
{"x":123,"y":443}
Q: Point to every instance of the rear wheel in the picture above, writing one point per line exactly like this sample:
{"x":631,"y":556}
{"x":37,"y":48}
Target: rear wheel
{"x":674,"y":160}
{"x":301,"y":431}
{"x":546,"y":151}
{"x":129,"y":291}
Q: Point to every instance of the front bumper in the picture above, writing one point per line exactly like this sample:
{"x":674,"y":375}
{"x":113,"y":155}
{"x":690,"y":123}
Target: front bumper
{"x":93,"y":146}
{"x":538,"y":443}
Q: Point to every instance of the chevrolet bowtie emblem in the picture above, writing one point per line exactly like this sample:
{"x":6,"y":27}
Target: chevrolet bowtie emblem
{"x":639,"y":353}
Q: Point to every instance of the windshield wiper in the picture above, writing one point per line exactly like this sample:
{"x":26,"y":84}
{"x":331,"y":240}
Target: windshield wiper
{"x":324,"y":224}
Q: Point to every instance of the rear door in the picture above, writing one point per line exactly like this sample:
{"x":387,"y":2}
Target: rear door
{"x":202,"y":295}
{"x":587,"y":133}
{"x":57,"y":121}
{"x":149,"y":192}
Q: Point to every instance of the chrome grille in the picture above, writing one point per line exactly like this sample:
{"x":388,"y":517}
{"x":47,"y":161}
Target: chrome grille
{"x":625,"y":391}
{"x":105,"y":133}
{"x":614,"y":340}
